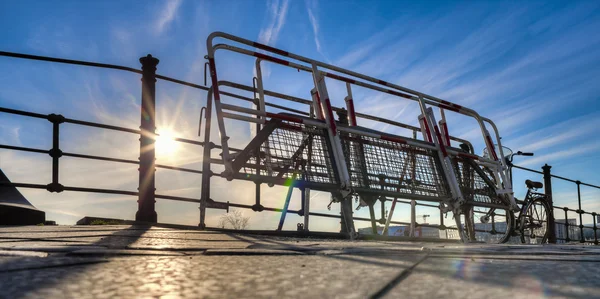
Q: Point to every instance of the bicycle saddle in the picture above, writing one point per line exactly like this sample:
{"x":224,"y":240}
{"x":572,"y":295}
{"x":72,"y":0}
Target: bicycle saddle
{"x":531,"y":184}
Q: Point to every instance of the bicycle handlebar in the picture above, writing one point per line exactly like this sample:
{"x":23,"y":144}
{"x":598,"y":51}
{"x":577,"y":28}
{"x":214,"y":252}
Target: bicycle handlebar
{"x":509,"y":159}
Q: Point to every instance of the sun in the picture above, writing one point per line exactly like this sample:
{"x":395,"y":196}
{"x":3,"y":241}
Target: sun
{"x":166,"y":146}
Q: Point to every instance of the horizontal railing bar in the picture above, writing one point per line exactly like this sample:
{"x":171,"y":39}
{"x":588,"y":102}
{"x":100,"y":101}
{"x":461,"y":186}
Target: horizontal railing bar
{"x":563,"y":178}
{"x":177,"y":198}
{"x":69,"y":61}
{"x":194,"y":142}
{"x":527,"y":169}
{"x":287,"y":109}
{"x":130,"y":162}
{"x":590,"y":185}
{"x":24,"y":149}
{"x":182,"y":82}
{"x":557,"y":176}
{"x":98,"y":190}
{"x":179,"y":168}
{"x":24,"y":185}
{"x":23,"y":113}
{"x":247,"y":99}
{"x":91,"y":157}
{"x":103,"y":126}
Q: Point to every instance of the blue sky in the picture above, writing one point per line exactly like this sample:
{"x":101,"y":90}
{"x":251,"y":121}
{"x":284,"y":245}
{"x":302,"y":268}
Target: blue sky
{"x":531,"y":67}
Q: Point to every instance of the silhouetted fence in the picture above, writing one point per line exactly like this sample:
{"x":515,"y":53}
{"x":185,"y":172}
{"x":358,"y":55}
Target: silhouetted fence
{"x":146,"y":194}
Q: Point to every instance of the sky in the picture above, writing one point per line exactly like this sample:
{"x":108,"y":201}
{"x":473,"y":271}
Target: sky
{"x":531,"y":67}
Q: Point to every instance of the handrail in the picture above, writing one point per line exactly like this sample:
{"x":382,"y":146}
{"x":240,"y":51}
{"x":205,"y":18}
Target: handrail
{"x":431,"y":100}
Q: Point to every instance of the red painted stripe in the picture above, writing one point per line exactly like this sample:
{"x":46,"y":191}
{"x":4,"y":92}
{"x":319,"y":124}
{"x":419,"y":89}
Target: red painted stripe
{"x":351,"y":112}
{"x":213,"y":78}
{"x":352,"y":81}
{"x":403,"y":95}
{"x":446,"y":134}
{"x":319,"y":115}
{"x":491,"y":143}
{"x":468,"y":156}
{"x":330,"y":113}
{"x":271,"y":49}
{"x":439,"y":137}
{"x":399,"y":94}
{"x":271,"y":58}
{"x":451,"y":104}
{"x":284,"y":117}
{"x":427,"y":131}
{"x":341,"y":78}
{"x":393,"y":139}
{"x":447,"y":107}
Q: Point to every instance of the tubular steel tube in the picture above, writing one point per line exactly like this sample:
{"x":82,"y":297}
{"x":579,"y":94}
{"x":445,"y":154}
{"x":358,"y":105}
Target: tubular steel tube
{"x":206,"y":172}
{"x":24,"y":149}
{"x":594,"y":215}
{"x":429,"y":99}
{"x":69,"y":61}
{"x":567,"y":227}
{"x":548,"y":190}
{"x":580,"y":212}
{"x":336,"y":109}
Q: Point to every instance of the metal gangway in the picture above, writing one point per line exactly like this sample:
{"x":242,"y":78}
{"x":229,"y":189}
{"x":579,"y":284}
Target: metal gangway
{"x":309,"y":148}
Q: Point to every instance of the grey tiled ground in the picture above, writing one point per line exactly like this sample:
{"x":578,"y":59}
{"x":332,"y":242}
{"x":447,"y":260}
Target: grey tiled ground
{"x":137,"y":261}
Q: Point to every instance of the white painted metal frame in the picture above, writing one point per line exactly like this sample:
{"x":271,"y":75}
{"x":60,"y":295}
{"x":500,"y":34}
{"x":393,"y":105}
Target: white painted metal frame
{"x":440,"y":139}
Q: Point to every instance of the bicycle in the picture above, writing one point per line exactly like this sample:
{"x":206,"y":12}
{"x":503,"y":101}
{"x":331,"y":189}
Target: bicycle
{"x":485,"y":222}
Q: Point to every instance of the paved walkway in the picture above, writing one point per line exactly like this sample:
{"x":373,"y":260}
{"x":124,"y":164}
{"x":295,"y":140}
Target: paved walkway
{"x":139,"y":261}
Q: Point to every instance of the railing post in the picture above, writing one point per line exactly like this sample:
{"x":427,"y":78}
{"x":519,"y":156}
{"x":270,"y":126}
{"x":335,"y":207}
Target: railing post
{"x":206,"y":171}
{"x":548,"y":191}
{"x":580,"y":212}
{"x":413,"y":219}
{"x":146,"y":201}
{"x":55,"y":152}
{"x":595,"y":228}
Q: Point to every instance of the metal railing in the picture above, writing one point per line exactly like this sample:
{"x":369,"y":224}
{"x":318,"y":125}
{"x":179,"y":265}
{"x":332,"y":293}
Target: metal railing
{"x":568,"y":232}
{"x":146,"y":193}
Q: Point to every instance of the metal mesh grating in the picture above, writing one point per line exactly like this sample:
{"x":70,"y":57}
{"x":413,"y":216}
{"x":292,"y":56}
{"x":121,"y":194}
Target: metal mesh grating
{"x":295,"y":148}
{"x":472,"y":185}
{"x":384,"y":165}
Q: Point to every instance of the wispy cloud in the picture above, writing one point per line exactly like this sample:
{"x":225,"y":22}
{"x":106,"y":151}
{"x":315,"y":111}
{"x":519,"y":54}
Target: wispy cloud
{"x":572,"y":151}
{"x":168,"y":14}
{"x":315,"y":25}
{"x":277,"y":16}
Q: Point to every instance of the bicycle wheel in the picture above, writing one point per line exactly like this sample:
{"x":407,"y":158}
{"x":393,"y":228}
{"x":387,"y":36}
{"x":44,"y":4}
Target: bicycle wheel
{"x":487,"y":225}
{"x":534,"y":222}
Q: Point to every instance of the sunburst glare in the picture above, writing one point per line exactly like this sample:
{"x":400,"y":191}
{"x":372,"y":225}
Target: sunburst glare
{"x":166,"y":146}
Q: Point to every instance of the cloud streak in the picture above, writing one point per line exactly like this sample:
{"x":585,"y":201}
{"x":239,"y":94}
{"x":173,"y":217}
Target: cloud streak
{"x":168,"y":14}
{"x":315,"y":27}
{"x":277,"y":12}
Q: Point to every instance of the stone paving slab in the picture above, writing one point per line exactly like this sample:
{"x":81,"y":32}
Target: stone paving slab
{"x":28,"y":263}
{"x":208,"y":276}
{"x":121,"y":252}
{"x":52,"y":247}
{"x":485,"y":278}
{"x":137,"y":261}
{"x":23,"y":253}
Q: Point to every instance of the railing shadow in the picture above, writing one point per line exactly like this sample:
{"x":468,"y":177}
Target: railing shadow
{"x":62,"y":257}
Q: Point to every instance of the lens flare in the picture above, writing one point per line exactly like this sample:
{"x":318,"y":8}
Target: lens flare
{"x":166,"y":146}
